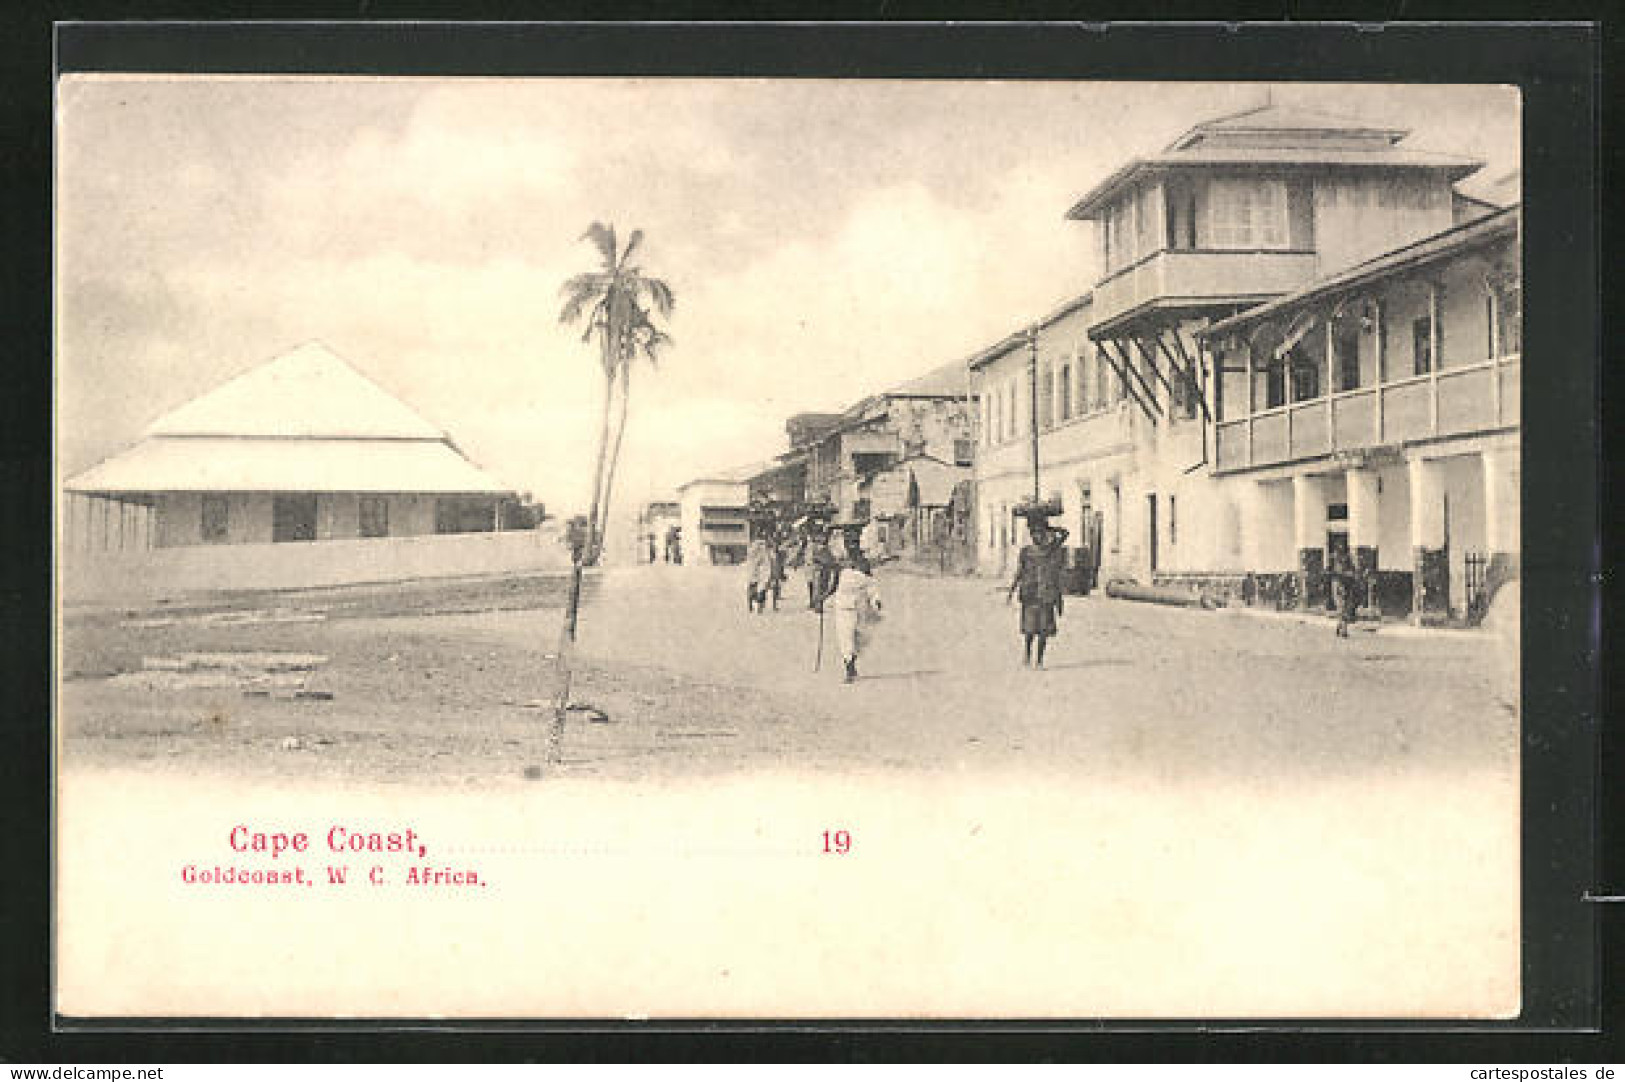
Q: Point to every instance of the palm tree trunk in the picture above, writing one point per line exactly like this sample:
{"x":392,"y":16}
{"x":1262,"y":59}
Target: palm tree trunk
{"x":567,"y":632}
{"x":615,"y":452}
{"x":593,"y":523}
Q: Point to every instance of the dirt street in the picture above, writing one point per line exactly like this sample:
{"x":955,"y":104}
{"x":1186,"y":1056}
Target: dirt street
{"x":445,"y":684}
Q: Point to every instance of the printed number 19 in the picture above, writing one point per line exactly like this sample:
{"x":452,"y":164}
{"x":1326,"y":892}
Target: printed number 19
{"x":837,"y":841}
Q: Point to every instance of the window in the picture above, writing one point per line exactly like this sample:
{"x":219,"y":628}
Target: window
{"x":293,"y":518}
{"x":964,"y":452}
{"x":1246,"y":214}
{"x":1275,"y":383}
{"x":374,"y":516}
{"x":1506,"y":334}
{"x":1066,"y":392}
{"x":216,"y":519}
{"x":1181,"y":214}
{"x":1102,"y":380}
{"x":1346,"y":351}
{"x":1146,"y":221}
{"x":1173,"y":522}
{"x":1422,"y":345}
{"x":1305,"y":375}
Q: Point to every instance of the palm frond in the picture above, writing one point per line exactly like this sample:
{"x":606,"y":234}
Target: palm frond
{"x":579,"y":292}
{"x":632,"y":244}
{"x":665,"y":300}
{"x":603,"y":238}
{"x":591,"y":282}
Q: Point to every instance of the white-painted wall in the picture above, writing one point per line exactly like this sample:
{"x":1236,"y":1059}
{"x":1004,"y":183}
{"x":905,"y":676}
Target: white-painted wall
{"x":183,"y":571}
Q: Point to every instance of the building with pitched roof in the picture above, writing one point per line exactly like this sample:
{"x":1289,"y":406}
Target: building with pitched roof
{"x":301,"y":448}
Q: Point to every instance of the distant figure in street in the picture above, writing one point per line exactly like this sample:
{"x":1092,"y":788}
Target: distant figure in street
{"x":758,"y":573}
{"x":818,"y":563}
{"x":1345,"y":592}
{"x":778,"y":552}
{"x":1039,"y":569}
{"x":855,"y":601}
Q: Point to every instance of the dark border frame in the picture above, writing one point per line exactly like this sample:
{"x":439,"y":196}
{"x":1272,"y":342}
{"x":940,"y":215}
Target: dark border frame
{"x":1558,"y":69}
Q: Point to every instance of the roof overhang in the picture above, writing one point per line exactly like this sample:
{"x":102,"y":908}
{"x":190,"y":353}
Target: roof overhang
{"x":1160,"y":309}
{"x":246,"y":464}
{"x":1090,"y":205}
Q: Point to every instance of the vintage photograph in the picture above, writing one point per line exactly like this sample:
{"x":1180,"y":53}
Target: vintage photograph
{"x":786,"y":548}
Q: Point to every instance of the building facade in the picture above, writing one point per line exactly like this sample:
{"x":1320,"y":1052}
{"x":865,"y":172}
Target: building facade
{"x":1377,"y":411}
{"x":715,"y":516}
{"x":1088,"y":442}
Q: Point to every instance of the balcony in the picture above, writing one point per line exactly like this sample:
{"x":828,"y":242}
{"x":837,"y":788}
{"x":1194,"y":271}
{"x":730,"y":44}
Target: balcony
{"x":1456,"y":401}
{"x":1185,"y":276}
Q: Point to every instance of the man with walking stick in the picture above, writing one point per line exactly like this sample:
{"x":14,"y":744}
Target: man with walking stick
{"x":850,"y":590}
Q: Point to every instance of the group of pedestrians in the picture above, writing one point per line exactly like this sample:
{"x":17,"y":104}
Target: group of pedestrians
{"x":841,"y":584}
{"x":839,"y":576}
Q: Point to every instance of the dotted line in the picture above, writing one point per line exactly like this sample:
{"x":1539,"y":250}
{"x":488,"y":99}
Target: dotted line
{"x":579,"y":851}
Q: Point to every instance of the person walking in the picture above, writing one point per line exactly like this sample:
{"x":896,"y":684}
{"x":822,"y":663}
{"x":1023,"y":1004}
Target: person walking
{"x":1039,"y":569}
{"x":778,"y":552}
{"x":758,"y":573}
{"x":854,"y":599}
{"x":818,"y":563}
{"x":1345,"y":589}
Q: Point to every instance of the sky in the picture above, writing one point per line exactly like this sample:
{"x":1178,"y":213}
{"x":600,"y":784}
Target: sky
{"x":824,"y":239}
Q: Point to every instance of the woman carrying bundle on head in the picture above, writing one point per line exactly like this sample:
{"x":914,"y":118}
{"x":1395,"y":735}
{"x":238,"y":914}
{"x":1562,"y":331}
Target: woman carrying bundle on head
{"x":1039,"y":571}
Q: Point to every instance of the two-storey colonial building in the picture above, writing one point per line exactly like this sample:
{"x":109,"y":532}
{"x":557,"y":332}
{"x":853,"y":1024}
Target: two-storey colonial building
{"x":1286,"y":300}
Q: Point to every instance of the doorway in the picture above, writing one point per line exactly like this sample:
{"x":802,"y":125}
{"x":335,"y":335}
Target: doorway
{"x":1151,"y":530}
{"x":1337,"y":555}
{"x":293,"y":518}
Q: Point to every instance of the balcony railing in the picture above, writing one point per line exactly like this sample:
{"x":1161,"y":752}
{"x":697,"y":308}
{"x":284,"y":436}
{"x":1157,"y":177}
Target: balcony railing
{"x":1471,"y":398}
{"x":1185,"y":275}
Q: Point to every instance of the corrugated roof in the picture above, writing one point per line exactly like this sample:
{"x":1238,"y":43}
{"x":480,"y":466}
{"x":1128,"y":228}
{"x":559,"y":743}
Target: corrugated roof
{"x":1436,"y":246}
{"x":310,"y":392}
{"x":228,"y":464}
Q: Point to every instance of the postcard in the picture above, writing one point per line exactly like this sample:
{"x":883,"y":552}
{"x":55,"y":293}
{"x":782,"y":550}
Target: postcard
{"x":750,"y":548}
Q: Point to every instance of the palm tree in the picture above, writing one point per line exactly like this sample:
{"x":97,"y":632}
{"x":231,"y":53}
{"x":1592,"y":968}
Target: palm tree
{"x":639,"y":338}
{"x":615,"y":300}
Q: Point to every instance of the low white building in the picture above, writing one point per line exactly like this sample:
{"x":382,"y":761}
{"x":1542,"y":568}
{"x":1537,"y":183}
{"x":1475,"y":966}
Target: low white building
{"x":301,"y":448}
{"x":715,"y":516}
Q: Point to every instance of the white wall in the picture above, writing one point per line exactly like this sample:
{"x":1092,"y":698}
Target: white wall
{"x":1360,"y":215}
{"x":200,"y":569}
